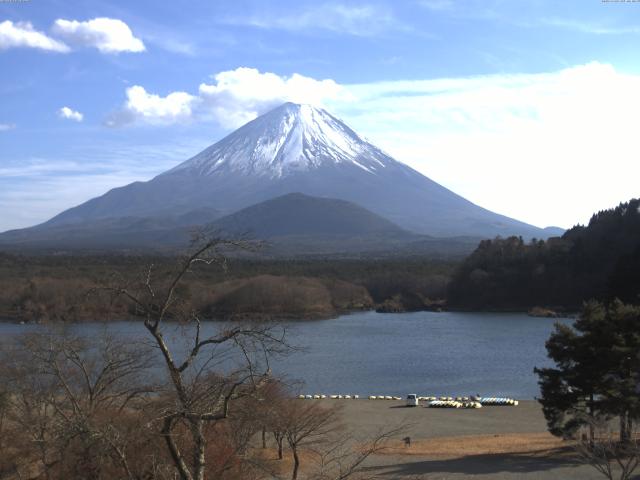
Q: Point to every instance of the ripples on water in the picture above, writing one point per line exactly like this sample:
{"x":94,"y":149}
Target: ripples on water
{"x":394,"y":354}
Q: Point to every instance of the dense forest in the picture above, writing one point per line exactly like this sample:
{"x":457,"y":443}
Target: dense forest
{"x":69,"y":287}
{"x":597,"y":261}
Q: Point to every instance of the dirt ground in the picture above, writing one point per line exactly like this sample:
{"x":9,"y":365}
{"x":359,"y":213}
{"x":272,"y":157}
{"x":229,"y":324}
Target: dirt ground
{"x":488,"y":443}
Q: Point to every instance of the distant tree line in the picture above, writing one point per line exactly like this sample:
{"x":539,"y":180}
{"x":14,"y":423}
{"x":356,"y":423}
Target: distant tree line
{"x":54,"y":288}
{"x":101,"y":407}
{"x":597,"y":261}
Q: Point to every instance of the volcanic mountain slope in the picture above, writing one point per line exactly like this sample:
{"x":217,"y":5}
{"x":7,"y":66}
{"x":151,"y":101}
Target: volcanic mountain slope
{"x":112,"y":233}
{"x":298,"y":225}
{"x":292,"y":225}
{"x":299,"y":214}
{"x":297,"y":148}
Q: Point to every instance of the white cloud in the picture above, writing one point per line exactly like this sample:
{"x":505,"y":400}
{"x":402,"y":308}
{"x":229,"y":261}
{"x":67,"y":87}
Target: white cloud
{"x":7,"y":126}
{"x":235,"y":97}
{"x":22,"y":34}
{"x":437,"y":5}
{"x":548,"y":148}
{"x":145,"y":107}
{"x":171,"y":44}
{"x":589,"y":27}
{"x":240,"y":95}
{"x":70,"y":114}
{"x":361,"y":20}
{"x":109,"y":35}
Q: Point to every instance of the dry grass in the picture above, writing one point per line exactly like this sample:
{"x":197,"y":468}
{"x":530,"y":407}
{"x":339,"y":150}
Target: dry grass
{"x":270,"y":463}
{"x":467,"y":445}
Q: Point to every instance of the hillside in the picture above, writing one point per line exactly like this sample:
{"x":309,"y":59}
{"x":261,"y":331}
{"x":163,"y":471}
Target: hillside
{"x":299,"y":214}
{"x":293,"y":148}
{"x":600,"y":260}
{"x":168,"y":232}
{"x":293,"y":225}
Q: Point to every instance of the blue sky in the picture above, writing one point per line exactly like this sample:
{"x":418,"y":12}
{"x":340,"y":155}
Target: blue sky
{"x":528,"y":108}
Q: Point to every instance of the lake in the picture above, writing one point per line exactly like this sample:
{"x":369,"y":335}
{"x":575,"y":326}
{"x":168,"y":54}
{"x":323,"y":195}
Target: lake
{"x":427,"y":353}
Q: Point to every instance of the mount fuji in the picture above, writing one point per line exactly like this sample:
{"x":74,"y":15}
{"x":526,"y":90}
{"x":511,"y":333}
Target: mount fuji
{"x":291,"y":149}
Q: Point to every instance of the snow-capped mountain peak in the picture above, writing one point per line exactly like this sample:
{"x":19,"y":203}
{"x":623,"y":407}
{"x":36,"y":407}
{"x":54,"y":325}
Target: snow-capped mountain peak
{"x":288,"y":139}
{"x":292,"y":149}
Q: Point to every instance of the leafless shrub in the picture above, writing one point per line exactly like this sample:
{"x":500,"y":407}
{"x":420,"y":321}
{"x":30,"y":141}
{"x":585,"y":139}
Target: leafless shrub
{"x":201,"y":387}
{"x":343,"y":455}
{"x":73,"y":399}
{"x":613,"y":458}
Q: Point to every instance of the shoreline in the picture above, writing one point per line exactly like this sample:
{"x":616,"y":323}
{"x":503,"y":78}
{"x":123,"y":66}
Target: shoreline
{"x":351,"y":355}
{"x":502,"y":442}
{"x":289,"y":317}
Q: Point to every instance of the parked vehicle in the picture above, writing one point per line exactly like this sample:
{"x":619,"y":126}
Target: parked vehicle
{"x":412,"y":400}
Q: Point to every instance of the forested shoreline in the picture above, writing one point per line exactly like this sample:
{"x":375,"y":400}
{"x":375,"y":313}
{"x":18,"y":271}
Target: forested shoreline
{"x":599,"y":261}
{"x":71,"y":288}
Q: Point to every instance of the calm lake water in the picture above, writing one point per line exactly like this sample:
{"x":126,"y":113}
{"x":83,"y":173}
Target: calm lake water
{"x":394,"y":354}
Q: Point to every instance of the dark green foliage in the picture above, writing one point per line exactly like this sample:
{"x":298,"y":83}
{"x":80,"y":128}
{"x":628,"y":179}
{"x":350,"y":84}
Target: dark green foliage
{"x":597,"y":371}
{"x":601,"y":260}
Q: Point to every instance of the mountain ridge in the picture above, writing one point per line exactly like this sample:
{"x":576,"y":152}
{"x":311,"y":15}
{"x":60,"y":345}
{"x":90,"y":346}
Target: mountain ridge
{"x":292,"y":225}
{"x":300,"y":214}
{"x":299,"y":148}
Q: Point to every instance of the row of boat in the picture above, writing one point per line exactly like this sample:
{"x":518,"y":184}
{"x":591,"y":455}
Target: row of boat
{"x":434,"y":402}
{"x":453,"y":404}
{"x":498,"y":401}
{"x":347,"y":397}
{"x":332,"y":397}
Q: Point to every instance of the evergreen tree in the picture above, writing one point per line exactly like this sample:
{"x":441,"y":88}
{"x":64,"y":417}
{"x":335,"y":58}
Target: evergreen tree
{"x":601,"y":261}
{"x":597,"y":370}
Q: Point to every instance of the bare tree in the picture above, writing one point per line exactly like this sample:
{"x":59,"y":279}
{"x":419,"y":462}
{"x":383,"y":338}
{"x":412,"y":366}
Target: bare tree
{"x":271,"y":413}
{"x":613,"y":458}
{"x":8,"y":452}
{"x":202,"y":385}
{"x":343,"y":456}
{"x":28,"y":419}
{"x":69,"y":395}
{"x":307,"y":424}
{"x":277,"y":426}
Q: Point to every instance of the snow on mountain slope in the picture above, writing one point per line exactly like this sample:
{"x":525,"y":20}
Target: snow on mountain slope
{"x":299,"y":148}
{"x":289,"y":139}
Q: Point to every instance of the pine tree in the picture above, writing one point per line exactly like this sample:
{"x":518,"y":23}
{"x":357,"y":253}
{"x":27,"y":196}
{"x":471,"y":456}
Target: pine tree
{"x":597,"y":370}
